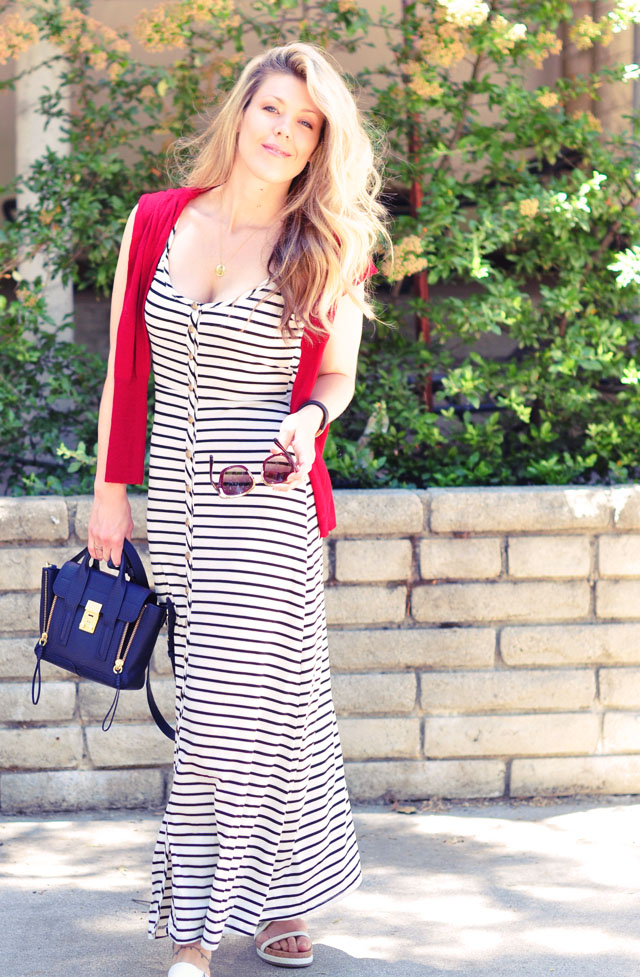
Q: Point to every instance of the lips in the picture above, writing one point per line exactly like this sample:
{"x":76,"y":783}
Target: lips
{"x":274,"y":149}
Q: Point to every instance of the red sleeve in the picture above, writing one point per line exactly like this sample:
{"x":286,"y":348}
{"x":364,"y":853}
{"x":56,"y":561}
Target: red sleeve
{"x":371,"y":270}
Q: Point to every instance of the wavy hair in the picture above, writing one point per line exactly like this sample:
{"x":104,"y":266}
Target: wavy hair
{"x":332,"y":219}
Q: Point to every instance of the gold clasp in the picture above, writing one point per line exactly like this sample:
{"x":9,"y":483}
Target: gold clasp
{"x":90,"y":617}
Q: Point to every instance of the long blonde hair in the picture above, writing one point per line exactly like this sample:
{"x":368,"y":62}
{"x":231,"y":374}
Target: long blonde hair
{"x":332,"y":219}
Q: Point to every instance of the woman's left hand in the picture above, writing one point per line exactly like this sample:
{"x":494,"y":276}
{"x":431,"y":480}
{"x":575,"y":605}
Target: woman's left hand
{"x":298,"y":434}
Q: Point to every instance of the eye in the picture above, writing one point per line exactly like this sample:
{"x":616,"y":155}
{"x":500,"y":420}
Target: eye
{"x":305,"y":122}
{"x":267,"y":108}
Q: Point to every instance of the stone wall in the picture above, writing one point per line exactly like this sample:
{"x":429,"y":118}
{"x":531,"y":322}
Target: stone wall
{"x":484,"y":642}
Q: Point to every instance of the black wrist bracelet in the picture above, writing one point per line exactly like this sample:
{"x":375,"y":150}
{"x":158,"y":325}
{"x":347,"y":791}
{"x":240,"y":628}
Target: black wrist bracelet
{"x":325,"y":414}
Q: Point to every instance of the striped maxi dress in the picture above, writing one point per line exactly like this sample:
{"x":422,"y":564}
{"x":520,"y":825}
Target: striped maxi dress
{"x":258,"y":824}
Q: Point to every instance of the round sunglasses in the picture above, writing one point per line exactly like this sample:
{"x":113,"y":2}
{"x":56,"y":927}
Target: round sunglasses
{"x":238,"y":480}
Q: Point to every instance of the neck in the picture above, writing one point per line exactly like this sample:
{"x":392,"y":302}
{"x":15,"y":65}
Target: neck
{"x":248,"y":202}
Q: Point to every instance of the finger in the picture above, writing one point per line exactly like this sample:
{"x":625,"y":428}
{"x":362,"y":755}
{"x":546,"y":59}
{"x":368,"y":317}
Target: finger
{"x":285,"y":436}
{"x":96,"y":550}
{"x":293,"y":481}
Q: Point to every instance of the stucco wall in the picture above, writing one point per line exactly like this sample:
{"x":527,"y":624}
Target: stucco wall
{"x":484,"y":642}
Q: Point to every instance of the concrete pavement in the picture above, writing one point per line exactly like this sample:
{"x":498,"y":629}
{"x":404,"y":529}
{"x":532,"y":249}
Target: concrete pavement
{"x":476,"y":890}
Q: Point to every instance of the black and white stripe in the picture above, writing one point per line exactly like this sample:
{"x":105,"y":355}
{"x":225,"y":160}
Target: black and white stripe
{"x":258,"y":824}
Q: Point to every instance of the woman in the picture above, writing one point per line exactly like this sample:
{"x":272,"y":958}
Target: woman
{"x":281,"y":191}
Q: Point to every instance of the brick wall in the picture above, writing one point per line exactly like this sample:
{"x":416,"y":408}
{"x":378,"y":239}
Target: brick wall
{"x":484,"y":642}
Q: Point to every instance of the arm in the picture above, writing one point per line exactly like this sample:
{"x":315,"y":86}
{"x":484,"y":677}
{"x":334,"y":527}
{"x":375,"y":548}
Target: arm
{"x":110,"y":520}
{"x":334,"y":388}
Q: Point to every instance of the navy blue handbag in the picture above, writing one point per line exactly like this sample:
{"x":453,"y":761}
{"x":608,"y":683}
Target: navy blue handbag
{"x":101,"y":626}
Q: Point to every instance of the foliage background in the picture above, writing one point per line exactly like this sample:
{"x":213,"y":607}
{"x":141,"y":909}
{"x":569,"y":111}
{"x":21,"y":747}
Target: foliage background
{"x":527,"y":228}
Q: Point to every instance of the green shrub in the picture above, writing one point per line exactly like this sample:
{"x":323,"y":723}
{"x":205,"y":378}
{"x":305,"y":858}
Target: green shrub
{"x":49,"y":393}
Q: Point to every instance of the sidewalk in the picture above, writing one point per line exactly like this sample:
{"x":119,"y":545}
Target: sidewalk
{"x":478,"y":890}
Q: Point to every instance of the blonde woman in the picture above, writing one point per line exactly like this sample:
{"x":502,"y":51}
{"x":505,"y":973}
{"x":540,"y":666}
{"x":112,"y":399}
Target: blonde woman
{"x":246,"y":290}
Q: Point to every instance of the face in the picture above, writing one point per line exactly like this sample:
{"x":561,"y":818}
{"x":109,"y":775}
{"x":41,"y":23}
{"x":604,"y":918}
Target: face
{"x":280,"y":129}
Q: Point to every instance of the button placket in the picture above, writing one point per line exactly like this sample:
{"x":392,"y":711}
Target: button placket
{"x":189,"y":450}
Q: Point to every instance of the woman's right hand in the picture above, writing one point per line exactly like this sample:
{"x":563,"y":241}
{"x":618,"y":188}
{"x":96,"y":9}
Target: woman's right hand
{"x":110,"y":522}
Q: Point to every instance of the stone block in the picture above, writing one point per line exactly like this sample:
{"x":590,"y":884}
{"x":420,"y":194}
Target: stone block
{"x":618,"y":599}
{"x":45,"y":747}
{"x":460,"y":559}
{"x":57,"y":702}
{"x":621,"y":732}
{"x":625,"y":503}
{"x":373,"y":560}
{"x":379,"y":649}
{"x":17,"y":659}
{"x":80,"y":790}
{"x":160,"y":662}
{"x":571,"y":644}
{"x":520,"y":509}
{"x":21,"y":566}
{"x":549,"y":556}
{"x":394,"y":692}
{"x":128,"y":745}
{"x":545,"y":734}
{"x":138,"y":514}
{"x":34,"y":519}
{"x":620,"y":688}
{"x":507,"y":691}
{"x":94,"y":701}
{"x":372,"y":739}
{"x":358,"y":604}
{"x":619,"y":556}
{"x":20,"y":612}
{"x":411,"y":780}
{"x":565,"y":776}
{"x":376,"y":512}
{"x":470,"y":603}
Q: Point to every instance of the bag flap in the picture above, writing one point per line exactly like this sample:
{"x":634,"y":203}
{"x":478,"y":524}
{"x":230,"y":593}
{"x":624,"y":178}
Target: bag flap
{"x":65,"y":575}
{"x":99,"y":587}
{"x":134,"y":600}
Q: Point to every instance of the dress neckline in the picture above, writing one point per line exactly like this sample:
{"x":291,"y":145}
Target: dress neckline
{"x":211,"y":302}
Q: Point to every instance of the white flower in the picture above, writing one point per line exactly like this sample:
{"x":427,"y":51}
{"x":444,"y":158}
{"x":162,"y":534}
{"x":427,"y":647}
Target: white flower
{"x":466,"y":13}
{"x":518,"y":32}
{"x":624,"y":13}
{"x":627,"y":266}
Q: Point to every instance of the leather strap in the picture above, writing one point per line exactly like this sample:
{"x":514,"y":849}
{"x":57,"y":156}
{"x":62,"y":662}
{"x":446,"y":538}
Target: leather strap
{"x":74,"y":594}
{"x":111,"y":610}
{"x":158,"y":718}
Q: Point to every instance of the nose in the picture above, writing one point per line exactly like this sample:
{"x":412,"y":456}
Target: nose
{"x":282,"y":127}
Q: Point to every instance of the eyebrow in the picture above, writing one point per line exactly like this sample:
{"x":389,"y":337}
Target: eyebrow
{"x":312,"y":111}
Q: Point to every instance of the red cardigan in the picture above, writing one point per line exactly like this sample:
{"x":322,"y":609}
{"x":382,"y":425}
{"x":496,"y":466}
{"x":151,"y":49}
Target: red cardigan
{"x":155,"y":216}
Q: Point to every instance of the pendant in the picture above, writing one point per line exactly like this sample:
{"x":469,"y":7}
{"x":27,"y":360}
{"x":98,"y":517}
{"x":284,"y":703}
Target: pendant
{"x":220,"y":270}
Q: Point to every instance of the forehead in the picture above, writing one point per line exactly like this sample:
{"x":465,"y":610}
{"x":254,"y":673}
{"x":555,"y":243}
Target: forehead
{"x":288,"y":88}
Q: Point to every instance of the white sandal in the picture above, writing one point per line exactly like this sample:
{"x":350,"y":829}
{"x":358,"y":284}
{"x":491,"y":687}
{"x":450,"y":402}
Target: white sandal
{"x":280,"y":958}
{"x":183,"y":969}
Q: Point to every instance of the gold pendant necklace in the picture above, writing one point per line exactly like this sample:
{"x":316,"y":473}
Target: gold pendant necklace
{"x":221,"y":267}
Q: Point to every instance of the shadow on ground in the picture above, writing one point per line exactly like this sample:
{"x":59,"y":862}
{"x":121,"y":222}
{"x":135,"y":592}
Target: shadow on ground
{"x":479,"y":891}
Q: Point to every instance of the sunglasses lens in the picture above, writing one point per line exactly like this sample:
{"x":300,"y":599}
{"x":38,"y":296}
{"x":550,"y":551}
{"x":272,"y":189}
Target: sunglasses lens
{"x":235,"y":481}
{"x":276,"y":469}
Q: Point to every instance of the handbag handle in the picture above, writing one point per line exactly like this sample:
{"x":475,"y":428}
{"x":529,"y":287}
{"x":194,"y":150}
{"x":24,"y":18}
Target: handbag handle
{"x":133,"y":563}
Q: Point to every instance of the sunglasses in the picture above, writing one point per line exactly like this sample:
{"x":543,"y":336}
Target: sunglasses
{"x":238,"y":480}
